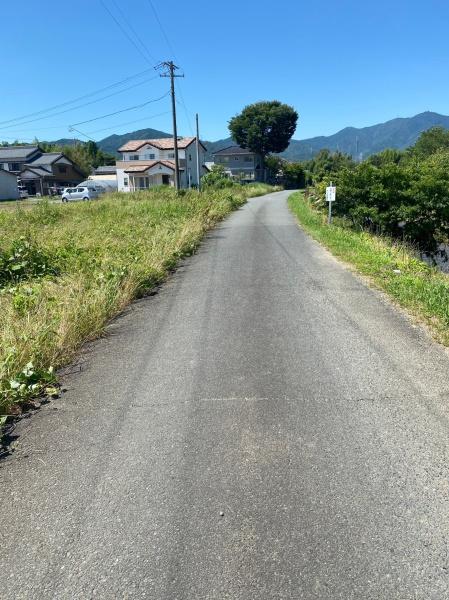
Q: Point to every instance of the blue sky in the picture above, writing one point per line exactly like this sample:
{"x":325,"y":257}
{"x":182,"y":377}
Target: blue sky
{"x":339,"y":63}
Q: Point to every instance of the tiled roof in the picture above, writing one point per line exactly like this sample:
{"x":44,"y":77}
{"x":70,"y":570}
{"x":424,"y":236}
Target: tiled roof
{"x":48,"y":158}
{"x":142,"y":167}
{"x":39,"y":171}
{"x":17,"y":152}
{"x":161,"y":144}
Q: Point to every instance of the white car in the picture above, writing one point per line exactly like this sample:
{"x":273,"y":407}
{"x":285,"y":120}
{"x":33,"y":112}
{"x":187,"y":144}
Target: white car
{"x":80,"y":193}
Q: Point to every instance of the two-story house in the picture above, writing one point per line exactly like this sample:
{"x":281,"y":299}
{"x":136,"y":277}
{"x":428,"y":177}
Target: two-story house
{"x":40,"y":172}
{"x":239,"y":163}
{"x":49,"y":172}
{"x":148,"y":163}
{"x":13,"y":158}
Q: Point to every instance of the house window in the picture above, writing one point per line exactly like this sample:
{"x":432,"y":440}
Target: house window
{"x":236,"y":157}
{"x":171,"y":155}
{"x":248,"y":159}
{"x":62,"y":168}
{"x":149,"y":156}
{"x":225,"y":159}
{"x":14,"y":166}
{"x":133,"y":157}
{"x":125,"y":182}
{"x":190,"y":157}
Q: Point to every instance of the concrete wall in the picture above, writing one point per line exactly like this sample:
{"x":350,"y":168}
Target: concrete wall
{"x":8,"y":186}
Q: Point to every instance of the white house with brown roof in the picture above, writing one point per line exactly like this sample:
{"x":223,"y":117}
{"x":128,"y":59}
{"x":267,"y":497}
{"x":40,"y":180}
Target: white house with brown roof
{"x":148,"y":163}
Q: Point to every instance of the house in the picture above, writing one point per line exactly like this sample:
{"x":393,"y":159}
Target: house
{"x":8,"y":185}
{"x":240,"y":163}
{"x":147,"y":163}
{"x":40,"y":172}
{"x":104,"y":172}
{"x":13,"y":158}
{"x":48,"y":172}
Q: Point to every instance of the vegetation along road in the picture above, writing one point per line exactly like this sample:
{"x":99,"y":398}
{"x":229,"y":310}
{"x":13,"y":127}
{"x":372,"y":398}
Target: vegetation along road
{"x":264,"y":427}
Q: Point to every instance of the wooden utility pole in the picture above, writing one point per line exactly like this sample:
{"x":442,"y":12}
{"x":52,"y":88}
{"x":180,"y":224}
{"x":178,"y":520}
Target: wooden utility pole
{"x":170,"y":65}
{"x":198,"y":171}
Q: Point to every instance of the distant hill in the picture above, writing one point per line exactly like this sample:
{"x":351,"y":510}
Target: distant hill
{"x":113,"y":142}
{"x":397,"y":133}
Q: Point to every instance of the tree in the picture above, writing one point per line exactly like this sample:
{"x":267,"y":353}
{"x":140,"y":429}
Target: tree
{"x":326,"y":164}
{"x":264,"y":127}
{"x":430,"y":141}
{"x":216,"y":178}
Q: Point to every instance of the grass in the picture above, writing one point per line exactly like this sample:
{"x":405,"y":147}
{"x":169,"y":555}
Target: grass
{"x":66,"y":269}
{"x":422,"y":290}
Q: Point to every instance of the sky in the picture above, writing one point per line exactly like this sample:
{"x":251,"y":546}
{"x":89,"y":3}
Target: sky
{"x":337,"y":62}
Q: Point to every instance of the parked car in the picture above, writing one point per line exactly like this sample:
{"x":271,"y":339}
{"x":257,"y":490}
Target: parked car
{"x":80,"y":193}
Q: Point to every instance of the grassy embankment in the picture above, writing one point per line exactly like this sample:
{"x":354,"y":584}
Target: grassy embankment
{"x":422,"y":290}
{"x":65,"y":270}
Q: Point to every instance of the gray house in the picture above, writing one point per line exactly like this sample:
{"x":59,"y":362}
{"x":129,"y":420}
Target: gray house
{"x":49,"y":172}
{"x":40,"y":172}
{"x":240,"y":163}
{"x":14,"y":158}
{"x":8,"y":186}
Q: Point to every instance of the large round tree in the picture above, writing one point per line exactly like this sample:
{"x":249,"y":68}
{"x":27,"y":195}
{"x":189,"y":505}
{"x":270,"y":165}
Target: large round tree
{"x":264,"y":127}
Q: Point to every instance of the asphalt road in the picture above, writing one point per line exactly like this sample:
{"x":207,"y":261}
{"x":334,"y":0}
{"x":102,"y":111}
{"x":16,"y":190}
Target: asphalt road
{"x":265,"y":427}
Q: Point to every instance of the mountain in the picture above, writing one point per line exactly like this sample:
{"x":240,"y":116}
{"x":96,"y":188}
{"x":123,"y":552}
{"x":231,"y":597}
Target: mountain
{"x":397,"y":133}
{"x":112,"y":142}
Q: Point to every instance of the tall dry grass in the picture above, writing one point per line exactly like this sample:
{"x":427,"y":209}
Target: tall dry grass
{"x":107,"y":253}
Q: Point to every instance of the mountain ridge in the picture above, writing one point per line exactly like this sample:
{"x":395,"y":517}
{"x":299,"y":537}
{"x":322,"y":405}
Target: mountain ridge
{"x":359,"y":142}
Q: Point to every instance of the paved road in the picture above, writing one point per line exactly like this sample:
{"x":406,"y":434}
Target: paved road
{"x":265,"y":427}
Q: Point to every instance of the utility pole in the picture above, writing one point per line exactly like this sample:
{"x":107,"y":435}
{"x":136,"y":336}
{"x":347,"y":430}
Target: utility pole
{"x":198,"y":172}
{"x":170,"y":65}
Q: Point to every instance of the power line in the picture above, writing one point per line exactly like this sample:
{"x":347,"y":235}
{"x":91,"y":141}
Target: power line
{"x":170,"y":47}
{"x":186,"y":112}
{"x":123,"y":30}
{"x":123,"y":110}
{"x":61,"y":112}
{"x":81,"y":133}
{"x":104,"y":89}
{"x":136,"y":35}
{"x":167,"y":112}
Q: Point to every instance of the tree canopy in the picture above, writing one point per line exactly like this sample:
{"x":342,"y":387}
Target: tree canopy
{"x":431,"y":141}
{"x":264,"y":127}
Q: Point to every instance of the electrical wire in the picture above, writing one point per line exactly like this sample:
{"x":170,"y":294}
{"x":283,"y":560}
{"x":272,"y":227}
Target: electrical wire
{"x":136,"y":35}
{"x":123,"y":30}
{"x":167,"y":112}
{"x":61,"y":112}
{"x":186,"y":112}
{"x":99,"y":91}
{"x":170,"y":47}
{"x":117,"y":112}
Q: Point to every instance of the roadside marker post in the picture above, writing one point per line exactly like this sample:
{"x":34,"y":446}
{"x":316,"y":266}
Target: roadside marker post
{"x":331,"y":194}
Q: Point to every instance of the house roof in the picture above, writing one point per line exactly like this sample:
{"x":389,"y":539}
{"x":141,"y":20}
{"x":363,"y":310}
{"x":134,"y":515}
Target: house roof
{"x":231,"y":150}
{"x":48,"y":158}
{"x":142,"y":167}
{"x":161,"y":144}
{"x":34,"y":173}
{"x":17,"y":152}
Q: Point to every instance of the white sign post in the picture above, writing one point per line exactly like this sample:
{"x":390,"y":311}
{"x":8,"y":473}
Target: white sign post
{"x":331,"y":194}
